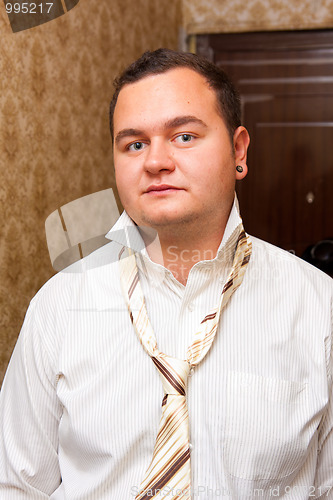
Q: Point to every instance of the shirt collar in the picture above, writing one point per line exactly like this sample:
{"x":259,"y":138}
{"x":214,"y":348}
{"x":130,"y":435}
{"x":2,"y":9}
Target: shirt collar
{"x":126,"y":233}
{"x":231,"y":232}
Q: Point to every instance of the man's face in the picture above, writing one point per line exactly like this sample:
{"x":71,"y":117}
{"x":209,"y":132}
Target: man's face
{"x":174,"y":161}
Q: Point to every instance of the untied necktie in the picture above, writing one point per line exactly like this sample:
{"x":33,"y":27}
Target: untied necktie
{"x":169,"y":470}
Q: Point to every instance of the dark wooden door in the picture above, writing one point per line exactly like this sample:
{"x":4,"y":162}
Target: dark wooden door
{"x":286,"y":84}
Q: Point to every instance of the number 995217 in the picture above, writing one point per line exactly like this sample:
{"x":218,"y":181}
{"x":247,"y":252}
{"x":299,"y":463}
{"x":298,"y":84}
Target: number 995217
{"x":29,"y":8}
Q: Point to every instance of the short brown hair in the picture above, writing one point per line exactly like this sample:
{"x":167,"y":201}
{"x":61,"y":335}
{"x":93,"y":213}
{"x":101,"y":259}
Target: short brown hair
{"x":162,"y":60}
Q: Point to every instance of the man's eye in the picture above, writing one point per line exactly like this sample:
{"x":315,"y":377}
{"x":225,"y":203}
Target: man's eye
{"x":136,"y":146}
{"x":184,"y":138}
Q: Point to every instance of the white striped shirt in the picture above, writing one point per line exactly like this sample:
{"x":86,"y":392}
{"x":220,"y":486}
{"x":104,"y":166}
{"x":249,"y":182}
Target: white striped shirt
{"x":81,"y":401}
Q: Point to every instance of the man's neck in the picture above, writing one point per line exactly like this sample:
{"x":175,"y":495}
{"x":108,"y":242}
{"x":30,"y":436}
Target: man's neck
{"x":180,"y":252}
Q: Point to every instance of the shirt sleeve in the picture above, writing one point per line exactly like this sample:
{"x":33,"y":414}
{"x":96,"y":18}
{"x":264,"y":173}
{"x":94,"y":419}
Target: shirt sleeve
{"x":324,"y":473}
{"x":29,"y":419}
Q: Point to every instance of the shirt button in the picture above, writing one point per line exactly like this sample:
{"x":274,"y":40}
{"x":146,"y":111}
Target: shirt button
{"x":190,"y":446}
{"x":191,"y":307}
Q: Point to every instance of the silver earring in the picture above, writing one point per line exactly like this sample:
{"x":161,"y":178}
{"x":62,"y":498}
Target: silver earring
{"x":239,"y":168}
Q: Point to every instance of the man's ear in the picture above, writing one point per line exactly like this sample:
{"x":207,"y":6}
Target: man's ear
{"x":241,"y":142}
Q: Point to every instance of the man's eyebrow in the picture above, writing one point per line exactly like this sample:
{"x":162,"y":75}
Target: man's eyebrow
{"x":127,"y":132}
{"x":178,"y":121}
{"x":183,"y":120}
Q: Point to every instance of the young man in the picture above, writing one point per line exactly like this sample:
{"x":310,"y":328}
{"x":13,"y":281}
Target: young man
{"x":231,"y":334}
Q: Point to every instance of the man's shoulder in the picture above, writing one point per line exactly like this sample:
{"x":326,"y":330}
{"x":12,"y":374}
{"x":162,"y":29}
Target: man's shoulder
{"x":81,"y":277}
{"x":74,"y":299}
{"x":284,"y":264}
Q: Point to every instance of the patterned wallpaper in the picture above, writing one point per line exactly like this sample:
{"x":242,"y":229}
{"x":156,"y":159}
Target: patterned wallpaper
{"x":216,"y":16}
{"x":55,"y":87}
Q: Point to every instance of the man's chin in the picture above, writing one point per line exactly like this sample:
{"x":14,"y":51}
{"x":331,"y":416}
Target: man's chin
{"x":167,"y":220}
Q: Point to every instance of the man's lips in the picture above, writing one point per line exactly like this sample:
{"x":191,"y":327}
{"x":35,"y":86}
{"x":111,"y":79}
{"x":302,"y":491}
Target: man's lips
{"x":161,"y":187}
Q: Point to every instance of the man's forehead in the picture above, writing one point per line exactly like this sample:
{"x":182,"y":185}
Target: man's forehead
{"x":176,"y":92}
{"x":148,"y":104}
{"x":164,"y":78}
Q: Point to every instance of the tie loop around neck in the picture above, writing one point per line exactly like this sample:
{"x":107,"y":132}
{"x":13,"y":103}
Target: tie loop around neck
{"x":170,"y":465}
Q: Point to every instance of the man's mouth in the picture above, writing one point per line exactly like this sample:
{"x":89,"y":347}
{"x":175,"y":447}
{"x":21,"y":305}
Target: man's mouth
{"x":161,"y":188}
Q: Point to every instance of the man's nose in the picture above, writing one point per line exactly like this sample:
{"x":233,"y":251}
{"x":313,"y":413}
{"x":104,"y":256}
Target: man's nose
{"x":159,"y":157}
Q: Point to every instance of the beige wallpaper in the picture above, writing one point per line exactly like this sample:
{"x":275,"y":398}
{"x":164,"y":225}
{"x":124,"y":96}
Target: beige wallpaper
{"x":215,"y":16}
{"x":55,"y":87}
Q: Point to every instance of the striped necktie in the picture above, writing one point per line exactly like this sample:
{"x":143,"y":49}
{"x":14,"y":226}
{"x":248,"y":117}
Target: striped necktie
{"x":169,"y":470}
